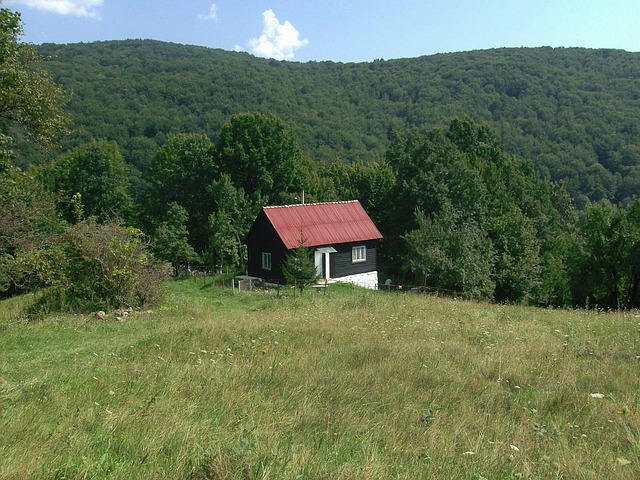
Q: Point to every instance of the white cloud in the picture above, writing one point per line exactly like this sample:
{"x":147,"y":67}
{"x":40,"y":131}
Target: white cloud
{"x":212,"y":15}
{"x":79,"y":8}
{"x":278,"y":40}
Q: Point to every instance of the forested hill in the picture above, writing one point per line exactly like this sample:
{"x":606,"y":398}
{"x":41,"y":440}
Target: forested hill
{"x":574,"y":112}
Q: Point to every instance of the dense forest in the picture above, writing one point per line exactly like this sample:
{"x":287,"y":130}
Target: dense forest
{"x":504,"y":175}
{"x":573,"y":112}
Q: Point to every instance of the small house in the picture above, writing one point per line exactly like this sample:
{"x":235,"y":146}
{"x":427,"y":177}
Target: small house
{"x":341,"y":235}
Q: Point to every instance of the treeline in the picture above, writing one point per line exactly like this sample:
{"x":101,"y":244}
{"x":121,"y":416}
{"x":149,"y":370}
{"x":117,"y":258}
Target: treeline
{"x":458,"y":212}
{"x":470,"y":219}
{"x":572,"y":112}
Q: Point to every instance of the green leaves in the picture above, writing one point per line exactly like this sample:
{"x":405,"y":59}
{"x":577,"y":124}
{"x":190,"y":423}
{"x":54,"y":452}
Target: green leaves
{"x":29,"y":99}
{"x":171,"y":239}
{"x":451,"y":254}
{"x":262,"y":156}
{"x":181,"y":172}
{"x":90,"y":266}
{"x":299,"y":268}
{"x":483,"y":221}
{"x":607,"y":264}
{"x":93,"y":181}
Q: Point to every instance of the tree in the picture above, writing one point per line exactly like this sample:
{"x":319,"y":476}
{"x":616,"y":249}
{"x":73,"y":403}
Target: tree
{"x":92,"y":180}
{"x":517,"y":268}
{"x":633,"y":255}
{"x":370,"y":183}
{"x":229,"y":223}
{"x":31,"y":104}
{"x":224,"y":252}
{"x":181,"y":172}
{"x":478,"y":206}
{"x":28,"y":219}
{"x":451,"y":254}
{"x":431,"y":174}
{"x":262,"y":156}
{"x":171,"y":242}
{"x":28,"y":212}
{"x":603,"y":266}
{"x":29,"y":98}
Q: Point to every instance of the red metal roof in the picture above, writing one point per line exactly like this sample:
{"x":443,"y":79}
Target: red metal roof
{"x":322,"y":223}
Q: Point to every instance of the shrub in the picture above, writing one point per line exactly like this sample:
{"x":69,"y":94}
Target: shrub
{"x":93,"y":266}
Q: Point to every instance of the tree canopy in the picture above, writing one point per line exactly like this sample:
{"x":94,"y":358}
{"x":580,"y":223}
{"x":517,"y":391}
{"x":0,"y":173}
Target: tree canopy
{"x":261,"y":155}
{"x":30,"y":102}
{"x":93,"y":178}
{"x":572,"y":112}
{"x":469,"y":218}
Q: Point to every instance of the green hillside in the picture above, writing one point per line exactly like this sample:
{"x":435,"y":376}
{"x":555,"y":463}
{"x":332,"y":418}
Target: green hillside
{"x":573,"y":112}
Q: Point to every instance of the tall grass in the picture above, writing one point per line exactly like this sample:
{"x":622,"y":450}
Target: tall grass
{"x":352,"y":384}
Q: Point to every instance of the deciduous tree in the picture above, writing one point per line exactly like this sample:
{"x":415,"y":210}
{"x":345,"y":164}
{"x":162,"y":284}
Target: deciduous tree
{"x":29,"y":98}
{"x":262,"y":156}
{"x":97,"y":172}
{"x":604,"y":268}
{"x":171,"y":239}
{"x":229,"y":223}
{"x":451,"y":254}
{"x":181,"y":172}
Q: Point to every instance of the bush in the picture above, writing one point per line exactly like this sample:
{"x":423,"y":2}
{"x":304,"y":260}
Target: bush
{"x":94,"y":266}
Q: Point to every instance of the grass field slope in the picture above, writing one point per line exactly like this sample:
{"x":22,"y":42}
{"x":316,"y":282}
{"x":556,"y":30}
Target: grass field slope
{"x":344,"y":385}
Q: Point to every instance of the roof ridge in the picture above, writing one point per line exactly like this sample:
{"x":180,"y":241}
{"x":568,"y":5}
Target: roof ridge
{"x":311,"y":204}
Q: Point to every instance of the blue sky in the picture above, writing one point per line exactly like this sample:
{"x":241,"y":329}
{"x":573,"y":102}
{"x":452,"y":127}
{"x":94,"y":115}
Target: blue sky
{"x":338,"y":30}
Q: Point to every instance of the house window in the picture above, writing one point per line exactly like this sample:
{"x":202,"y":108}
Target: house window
{"x":359,"y":254}
{"x":266,"y":261}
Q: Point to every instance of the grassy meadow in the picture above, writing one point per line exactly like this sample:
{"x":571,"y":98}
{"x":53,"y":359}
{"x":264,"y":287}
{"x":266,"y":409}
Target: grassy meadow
{"x":349,"y":385}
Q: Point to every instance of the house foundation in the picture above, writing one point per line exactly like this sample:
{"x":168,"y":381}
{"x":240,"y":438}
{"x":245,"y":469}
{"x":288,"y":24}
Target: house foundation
{"x":367,"y":280}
